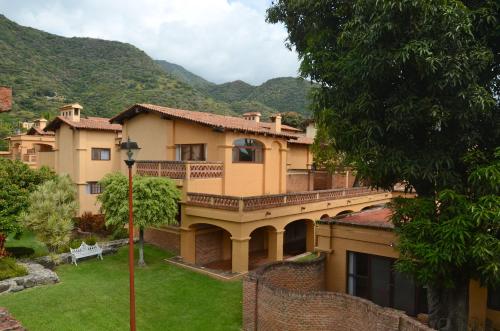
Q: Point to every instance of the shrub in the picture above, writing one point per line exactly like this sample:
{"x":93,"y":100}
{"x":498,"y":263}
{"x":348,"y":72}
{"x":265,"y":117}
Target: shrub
{"x":89,"y":222}
{"x":120,"y":233}
{"x":90,"y":241}
{"x":19,"y":252}
{"x":75,"y":243}
{"x":9,"y":268}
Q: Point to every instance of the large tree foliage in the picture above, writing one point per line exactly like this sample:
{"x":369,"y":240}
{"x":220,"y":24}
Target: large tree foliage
{"x":155,"y":202}
{"x":17,"y":181}
{"x":52,"y":207}
{"x":408,"y":90}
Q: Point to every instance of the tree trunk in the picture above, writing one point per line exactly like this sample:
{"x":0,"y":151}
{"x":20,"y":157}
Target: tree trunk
{"x":449,"y":307}
{"x":141,"y":262}
{"x":2,"y":245}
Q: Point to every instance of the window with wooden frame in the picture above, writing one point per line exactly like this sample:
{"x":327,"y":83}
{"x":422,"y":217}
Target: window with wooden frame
{"x":373,"y":277}
{"x":94,"y":188}
{"x":191,"y":152}
{"x":248,"y":151}
{"x":101,"y":154}
{"x":494,"y":299}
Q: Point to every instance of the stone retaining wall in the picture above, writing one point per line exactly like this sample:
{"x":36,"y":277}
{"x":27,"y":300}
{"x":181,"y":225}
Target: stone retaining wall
{"x":37,"y":276}
{"x":290,"y":296}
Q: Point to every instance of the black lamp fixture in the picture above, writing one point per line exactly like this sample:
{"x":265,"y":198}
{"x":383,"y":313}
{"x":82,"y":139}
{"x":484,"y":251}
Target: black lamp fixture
{"x":131,"y":147}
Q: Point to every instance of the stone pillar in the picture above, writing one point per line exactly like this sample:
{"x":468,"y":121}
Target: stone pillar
{"x":188,"y":245}
{"x":275,"y":245}
{"x":310,"y":236}
{"x":240,"y":254}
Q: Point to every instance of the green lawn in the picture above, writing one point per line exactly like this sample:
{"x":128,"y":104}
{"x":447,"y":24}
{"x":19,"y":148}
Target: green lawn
{"x":94,"y":296}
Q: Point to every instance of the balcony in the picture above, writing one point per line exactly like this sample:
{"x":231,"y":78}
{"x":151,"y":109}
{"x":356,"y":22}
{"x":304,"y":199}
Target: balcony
{"x":252,"y":203}
{"x":181,"y":169}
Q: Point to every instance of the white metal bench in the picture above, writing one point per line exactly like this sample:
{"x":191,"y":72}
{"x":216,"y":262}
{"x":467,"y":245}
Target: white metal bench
{"x":84,"y":251}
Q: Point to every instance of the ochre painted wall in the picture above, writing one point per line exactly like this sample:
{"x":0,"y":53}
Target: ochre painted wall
{"x":336,"y":240}
{"x":73,"y":156}
{"x":299,"y":156}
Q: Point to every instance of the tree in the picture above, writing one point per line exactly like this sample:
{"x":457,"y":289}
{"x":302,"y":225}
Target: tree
{"x":155,"y":202}
{"x":17,"y":181}
{"x":52,"y":207}
{"x":406,"y":93}
{"x":293,"y":119}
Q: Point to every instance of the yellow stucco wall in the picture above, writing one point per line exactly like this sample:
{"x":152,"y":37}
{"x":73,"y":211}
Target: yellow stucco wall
{"x":299,"y":156}
{"x":336,"y":240}
{"x":73,"y":156}
{"x":158,"y":139}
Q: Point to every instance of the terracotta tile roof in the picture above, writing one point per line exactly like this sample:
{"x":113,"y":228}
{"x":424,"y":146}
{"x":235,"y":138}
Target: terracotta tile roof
{"x":373,"y":218}
{"x":302,"y":139}
{"x":36,"y":131}
{"x":90,"y":123}
{"x":203,"y":118}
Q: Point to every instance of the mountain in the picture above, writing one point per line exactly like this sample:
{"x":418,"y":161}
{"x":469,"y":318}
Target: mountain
{"x":185,"y":76}
{"x":283,"y":94}
{"x":47,"y":71}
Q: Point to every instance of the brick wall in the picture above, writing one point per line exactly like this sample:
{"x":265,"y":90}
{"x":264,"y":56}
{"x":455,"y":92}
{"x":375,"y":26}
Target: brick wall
{"x":299,"y":181}
{"x":209,"y":245}
{"x":167,"y":238}
{"x":5,"y":98}
{"x":290,"y":296}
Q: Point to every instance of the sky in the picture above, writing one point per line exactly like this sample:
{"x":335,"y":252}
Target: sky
{"x":220,"y":40}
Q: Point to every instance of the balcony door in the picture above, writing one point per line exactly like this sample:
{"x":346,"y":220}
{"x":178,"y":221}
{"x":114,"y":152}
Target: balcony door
{"x":191,"y":152}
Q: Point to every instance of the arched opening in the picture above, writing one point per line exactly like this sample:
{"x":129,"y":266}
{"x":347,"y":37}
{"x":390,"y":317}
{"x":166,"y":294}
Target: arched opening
{"x":247,"y":150}
{"x":345,"y":212}
{"x":371,"y":207}
{"x":43,"y":148}
{"x":213,"y":248}
{"x":258,"y":247}
{"x":324,"y":216}
{"x":299,"y":237}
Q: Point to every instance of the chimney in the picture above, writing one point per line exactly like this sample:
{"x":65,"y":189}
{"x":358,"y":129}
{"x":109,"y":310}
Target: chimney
{"x":252,"y":116}
{"x":5,"y":98}
{"x":41,"y":123}
{"x":71,"y":112}
{"x":311,"y":130}
{"x":276,"y":119}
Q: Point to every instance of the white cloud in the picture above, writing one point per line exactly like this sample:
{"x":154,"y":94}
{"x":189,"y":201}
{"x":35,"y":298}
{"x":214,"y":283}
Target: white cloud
{"x":221,"y":40}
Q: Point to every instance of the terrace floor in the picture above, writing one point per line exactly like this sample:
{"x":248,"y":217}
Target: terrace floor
{"x":94,"y":296}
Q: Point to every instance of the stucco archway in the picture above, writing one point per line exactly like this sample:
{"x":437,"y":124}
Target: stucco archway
{"x":261,"y":246}
{"x":212,"y":246}
{"x":345,"y":212}
{"x":299,"y":237}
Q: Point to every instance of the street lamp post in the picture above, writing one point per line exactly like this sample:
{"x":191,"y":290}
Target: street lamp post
{"x":130,"y":147}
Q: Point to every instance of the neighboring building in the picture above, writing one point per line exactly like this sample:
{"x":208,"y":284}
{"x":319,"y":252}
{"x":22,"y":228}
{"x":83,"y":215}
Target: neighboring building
{"x":86,"y":149}
{"x":26,"y":147}
{"x":249,"y":193}
{"x":360,"y":254}
{"x":5,"y":98}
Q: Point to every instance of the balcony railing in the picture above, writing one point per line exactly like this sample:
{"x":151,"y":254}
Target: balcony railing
{"x":181,"y":169}
{"x":274,"y":200}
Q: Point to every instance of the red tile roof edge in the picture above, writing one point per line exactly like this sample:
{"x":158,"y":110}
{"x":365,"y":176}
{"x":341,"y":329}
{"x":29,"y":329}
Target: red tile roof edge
{"x":371,"y":218}
{"x":92,"y":123}
{"x":177,"y":113}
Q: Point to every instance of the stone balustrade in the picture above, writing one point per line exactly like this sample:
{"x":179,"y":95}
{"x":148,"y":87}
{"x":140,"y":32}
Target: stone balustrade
{"x":274,"y":200}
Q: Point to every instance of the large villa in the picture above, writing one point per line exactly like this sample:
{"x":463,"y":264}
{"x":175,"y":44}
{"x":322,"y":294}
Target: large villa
{"x":250,"y":195}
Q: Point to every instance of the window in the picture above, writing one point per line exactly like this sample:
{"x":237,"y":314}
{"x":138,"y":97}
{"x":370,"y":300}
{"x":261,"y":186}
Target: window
{"x":494,"y":299}
{"x":374,"y":278}
{"x":101,"y":154}
{"x":247,"y":150}
{"x":94,"y":188}
{"x":191,"y":152}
